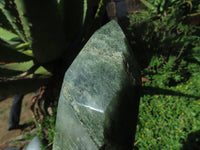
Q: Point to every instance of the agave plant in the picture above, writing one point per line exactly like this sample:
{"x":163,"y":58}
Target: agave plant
{"x":36,"y":37}
{"x":39,"y":40}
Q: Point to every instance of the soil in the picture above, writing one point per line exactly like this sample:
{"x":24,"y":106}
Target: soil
{"x":8,"y":138}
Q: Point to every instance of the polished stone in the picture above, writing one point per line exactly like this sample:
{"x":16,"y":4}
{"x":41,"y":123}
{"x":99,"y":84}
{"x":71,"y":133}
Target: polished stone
{"x":98,"y":104}
{"x":35,"y":144}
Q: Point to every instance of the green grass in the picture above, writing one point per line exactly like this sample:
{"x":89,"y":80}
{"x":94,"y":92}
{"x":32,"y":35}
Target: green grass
{"x":167,"y":47}
{"x":169,"y":115}
{"x":48,"y":124}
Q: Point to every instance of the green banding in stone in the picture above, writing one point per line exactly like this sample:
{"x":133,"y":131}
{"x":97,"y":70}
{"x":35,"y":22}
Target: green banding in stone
{"x":64,"y":138}
{"x":94,"y":129}
{"x":100,"y":95}
{"x":94,"y":134}
{"x":101,"y":41}
{"x":98,"y":66}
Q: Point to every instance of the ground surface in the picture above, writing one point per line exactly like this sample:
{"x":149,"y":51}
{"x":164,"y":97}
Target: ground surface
{"x":8,"y":138}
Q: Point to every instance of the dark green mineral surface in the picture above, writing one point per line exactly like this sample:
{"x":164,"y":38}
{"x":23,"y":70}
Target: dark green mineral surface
{"x":99,"y":100}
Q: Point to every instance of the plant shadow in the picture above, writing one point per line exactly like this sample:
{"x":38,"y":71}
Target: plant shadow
{"x":148,"y":90}
{"x":192,"y":142}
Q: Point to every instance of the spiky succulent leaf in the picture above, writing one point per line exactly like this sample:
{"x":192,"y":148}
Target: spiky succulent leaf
{"x":27,"y":52}
{"x":22,"y":46}
{"x":6,"y":73}
{"x":4,"y":22}
{"x":20,"y":86}
{"x":42,"y":70}
{"x":147,"y":4}
{"x":9,"y":10}
{"x":22,"y":13}
{"x":9,"y":55}
{"x":41,"y":19}
{"x":9,"y":37}
{"x":84,"y":10}
{"x":24,"y":66}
